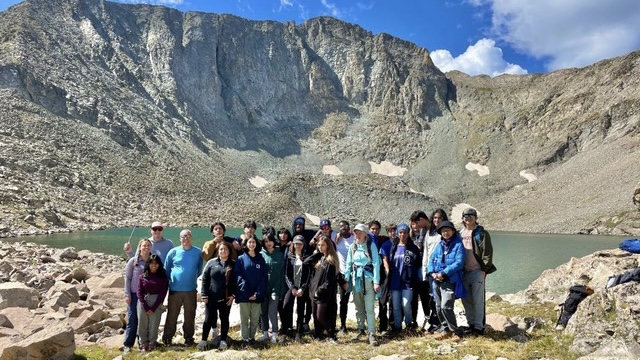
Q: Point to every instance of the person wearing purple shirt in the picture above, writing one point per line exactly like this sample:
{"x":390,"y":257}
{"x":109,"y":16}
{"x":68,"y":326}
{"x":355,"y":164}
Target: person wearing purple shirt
{"x":133,"y":269}
{"x":152,"y":288}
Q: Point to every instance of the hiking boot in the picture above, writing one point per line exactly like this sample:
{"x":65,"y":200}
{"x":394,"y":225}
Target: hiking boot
{"x":245,"y":343}
{"x":444,"y":335}
{"x":358,"y":334}
{"x":202,"y":345}
{"x":372,"y":340}
{"x":189,"y":342}
{"x":126,"y":350}
{"x":264,"y":337}
{"x":223,"y":345}
{"x":167,"y":342}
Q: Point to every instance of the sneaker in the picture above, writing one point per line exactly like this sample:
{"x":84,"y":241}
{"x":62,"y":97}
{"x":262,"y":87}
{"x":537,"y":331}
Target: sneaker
{"x":167,"y":342}
{"x":274,"y":338}
{"x":202,"y":345}
{"x":298,"y":338}
{"x":126,"y":349}
{"x":372,"y":340}
{"x":223,"y":345}
{"x":245,"y":343}
{"x":306,"y":329}
{"x":342,"y":332}
{"x":358,"y":334}
{"x":264,"y":337}
{"x":444,"y":335}
{"x":332,"y":341}
{"x":432,"y":329}
{"x":384,"y":333}
{"x":282,"y":338}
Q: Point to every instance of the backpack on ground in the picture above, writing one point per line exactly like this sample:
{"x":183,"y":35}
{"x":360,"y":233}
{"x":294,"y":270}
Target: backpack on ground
{"x":631,"y":245}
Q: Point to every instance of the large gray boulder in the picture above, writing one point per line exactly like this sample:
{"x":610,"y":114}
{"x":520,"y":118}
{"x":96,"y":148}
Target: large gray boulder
{"x":16,"y":294}
{"x":52,"y":343}
{"x":61,"y":295}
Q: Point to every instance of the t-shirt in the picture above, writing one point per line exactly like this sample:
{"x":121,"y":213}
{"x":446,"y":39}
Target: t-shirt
{"x":470,"y":262}
{"x":397,"y":264}
{"x":342,"y":248}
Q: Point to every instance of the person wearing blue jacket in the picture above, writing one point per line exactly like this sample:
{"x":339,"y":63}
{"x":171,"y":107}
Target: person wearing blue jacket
{"x":252,"y":278}
{"x":445,"y":268}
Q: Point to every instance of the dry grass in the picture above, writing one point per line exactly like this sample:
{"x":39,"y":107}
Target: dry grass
{"x":543,"y":343}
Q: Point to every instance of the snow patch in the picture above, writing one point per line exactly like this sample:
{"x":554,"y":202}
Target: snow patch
{"x":481,"y":169}
{"x":387,"y":168}
{"x":258,"y":181}
{"x":314,"y":219}
{"x":529,"y":176}
{"x":417,"y":192}
{"x":331,"y":170}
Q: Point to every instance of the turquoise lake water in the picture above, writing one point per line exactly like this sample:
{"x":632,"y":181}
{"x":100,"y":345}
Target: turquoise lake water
{"x":519,"y":257}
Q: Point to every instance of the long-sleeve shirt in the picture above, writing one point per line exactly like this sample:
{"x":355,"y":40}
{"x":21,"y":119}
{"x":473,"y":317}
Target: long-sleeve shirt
{"x":183,"y":268}
{"x":153,"y":285}
{"x":132,"y":271}
{"x":251,"y":275}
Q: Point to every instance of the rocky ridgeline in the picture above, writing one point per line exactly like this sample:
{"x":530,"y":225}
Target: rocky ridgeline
{"x":115,"y":114}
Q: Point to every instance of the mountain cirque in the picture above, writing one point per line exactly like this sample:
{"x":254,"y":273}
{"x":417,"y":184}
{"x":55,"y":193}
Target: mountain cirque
{"x":114,"y":115}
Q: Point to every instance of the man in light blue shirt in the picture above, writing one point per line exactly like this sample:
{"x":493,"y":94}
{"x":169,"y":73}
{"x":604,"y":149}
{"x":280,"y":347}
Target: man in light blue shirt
{"x":159,"y":245}
{"x":183,"y":266}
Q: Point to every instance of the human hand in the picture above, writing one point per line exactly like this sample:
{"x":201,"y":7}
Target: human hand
{"x":126,"y":247}
{"x":345,"y":286}
{"x":294,"y":292}
{"x":300,"y":292}
{"x":252,"y":298}
{"x":150,"y":312}
{"x":128,"y":300}
{"x":205,"y":300}
{"x":230,"y":300}
{"x":376,"y":287}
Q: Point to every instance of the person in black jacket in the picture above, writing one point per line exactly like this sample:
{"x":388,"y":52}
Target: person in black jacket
{"x":404,"y":265}
{"x":218,"y":287}
{"x":297,"y":279}
{"x":323,"y":288}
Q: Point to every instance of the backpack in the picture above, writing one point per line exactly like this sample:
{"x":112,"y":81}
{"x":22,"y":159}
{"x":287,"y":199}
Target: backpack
{"x":368,"y":252}
{"x":630,"y":245}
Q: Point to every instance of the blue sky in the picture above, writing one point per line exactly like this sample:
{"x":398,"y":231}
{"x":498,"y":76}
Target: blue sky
{"x":474,"y":36}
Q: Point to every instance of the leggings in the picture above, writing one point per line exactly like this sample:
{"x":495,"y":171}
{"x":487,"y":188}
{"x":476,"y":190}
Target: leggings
{"x":211,"y":319}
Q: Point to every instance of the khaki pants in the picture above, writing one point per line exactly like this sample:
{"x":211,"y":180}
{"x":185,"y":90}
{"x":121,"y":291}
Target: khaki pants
{"x":177,"y":300}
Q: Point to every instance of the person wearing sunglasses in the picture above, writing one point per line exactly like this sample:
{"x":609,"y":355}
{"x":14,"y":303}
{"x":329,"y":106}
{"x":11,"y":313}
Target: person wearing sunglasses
{"x":478,"y":263}
{"x":159,"y":244}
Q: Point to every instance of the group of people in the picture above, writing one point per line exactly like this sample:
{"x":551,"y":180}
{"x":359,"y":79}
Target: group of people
{"x":427,"y":262}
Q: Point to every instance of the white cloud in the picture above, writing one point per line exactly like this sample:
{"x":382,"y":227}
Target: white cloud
{"x":568,"y":33}
{"x":284,"y":3}
{"x":482,"y":58}
{"x":363,"y":6}
{"x":331,"y":8}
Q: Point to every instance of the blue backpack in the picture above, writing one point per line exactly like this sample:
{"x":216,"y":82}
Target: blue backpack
{"x":631,"y":245}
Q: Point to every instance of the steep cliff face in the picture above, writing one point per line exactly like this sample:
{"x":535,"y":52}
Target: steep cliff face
{"x":122,"y":113}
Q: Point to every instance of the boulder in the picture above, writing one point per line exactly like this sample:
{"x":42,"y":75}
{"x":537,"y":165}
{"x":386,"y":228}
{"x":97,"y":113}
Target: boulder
{"x":74,"y":310}
{"x":5,"y":322}
{"x":88,"y":318}
{"x":615,"y":349}
{"x":79,"y":274}
{"x":67,"y":254}
{"x":61,"y":294}
{"x":54,"y":342}
{"x":15,"y":294}
{"x":26,"y":321}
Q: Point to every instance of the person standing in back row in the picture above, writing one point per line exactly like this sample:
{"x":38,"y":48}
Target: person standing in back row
{"x":184,"y":265}
{"x":420,"y":226}
{"x":478,"y":263}
{"x":159,"y":244}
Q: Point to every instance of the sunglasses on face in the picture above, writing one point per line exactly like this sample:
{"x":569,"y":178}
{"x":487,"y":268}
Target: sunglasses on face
{"x":156,"y":229}
{"x":324,"y":227}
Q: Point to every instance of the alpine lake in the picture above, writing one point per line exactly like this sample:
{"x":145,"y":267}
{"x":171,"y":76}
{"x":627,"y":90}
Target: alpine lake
{"x":519,"y":257}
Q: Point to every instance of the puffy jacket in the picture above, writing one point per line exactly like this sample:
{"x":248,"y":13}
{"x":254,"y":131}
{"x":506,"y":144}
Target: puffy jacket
{"x":448,"y":259}
{"x":252,"y":278}
{"x":289,"y":273}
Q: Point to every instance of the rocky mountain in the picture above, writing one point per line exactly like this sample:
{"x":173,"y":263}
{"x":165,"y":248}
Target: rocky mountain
{"x":115,"y":115}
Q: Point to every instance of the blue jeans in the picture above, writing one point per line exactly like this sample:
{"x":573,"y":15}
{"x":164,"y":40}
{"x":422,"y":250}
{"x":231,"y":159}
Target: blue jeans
{"x":401,"y":300}
{"x":132,"y":321}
